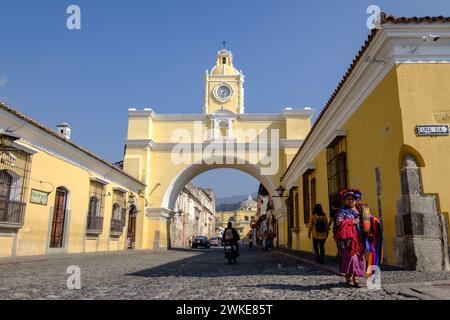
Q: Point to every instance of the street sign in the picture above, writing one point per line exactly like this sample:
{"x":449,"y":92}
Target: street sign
{"x":39,"y":197}
{"x":433,"y":130}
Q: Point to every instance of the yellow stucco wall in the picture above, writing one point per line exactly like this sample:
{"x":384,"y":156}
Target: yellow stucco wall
{"x":34,"y":237}
{"x":380,"y":132}
{"x":374,"y":138}
{"x":425,"y":99}
{"x":239,"y":219}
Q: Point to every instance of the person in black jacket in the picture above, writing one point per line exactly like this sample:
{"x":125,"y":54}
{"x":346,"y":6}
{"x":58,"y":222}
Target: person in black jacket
{"x":234,"y":239}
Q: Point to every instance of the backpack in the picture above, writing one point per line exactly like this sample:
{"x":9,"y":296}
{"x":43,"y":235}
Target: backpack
{"x":228,"y":235}
{"x":321,"y":226}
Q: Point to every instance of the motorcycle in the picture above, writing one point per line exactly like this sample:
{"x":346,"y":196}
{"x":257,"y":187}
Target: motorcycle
{"x":230,"y":253}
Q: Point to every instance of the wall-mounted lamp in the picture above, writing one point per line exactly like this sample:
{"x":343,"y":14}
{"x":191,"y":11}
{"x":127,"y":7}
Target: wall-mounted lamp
{"x":131,"y":199}
{"x":7,"y":139}
{"x":280,"y":190}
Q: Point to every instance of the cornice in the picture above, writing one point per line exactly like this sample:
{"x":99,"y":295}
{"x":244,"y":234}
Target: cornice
{"x":286,"y":114}
{"x":216,"y":144}
{"x":287,"y":143}
{"x":99,"y":180}
{"x":160,"y":214}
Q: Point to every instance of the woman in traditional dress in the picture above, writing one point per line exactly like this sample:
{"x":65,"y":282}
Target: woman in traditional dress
{"x":349,"y":237}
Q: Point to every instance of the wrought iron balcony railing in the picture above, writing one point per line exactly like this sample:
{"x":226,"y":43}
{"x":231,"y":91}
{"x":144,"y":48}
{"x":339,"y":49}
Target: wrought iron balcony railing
{"x":94,"y":225}
{"x":12,"y":214}
{"x":116,"y":228}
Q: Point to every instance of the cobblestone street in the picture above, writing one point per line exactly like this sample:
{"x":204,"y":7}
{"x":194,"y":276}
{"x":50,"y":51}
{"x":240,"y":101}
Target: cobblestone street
{"x":177,"y":274}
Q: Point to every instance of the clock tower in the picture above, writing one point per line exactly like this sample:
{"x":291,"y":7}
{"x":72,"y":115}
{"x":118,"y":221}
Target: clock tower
{"x":224,"y":86}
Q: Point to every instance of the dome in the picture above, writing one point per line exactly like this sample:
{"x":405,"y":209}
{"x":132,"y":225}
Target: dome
{"x":249,"y":204}
{"x":225,"y":70}
{"x":224,"y":64}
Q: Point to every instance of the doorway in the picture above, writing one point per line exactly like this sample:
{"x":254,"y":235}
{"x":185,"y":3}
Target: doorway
{"x":59,"y":217}
{"x":131,"y":232}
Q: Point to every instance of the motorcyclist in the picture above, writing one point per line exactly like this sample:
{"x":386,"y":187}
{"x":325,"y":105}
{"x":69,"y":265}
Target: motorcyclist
{"x":231,"y":236}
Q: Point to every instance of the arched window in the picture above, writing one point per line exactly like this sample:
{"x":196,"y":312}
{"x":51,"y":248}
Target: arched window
{"x":224,"y":60}
{"x":94,"y":206}
{"x":313,"y":193}
{"x":246,"y":218}
{"x":116,"y":211}
{"x":5,"y":192}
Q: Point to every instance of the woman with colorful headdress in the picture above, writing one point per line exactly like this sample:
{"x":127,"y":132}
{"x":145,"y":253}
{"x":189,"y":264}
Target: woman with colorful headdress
{"x":349,"y":237}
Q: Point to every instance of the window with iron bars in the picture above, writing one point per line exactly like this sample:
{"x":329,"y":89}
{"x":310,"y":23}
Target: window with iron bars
{"x":96,"y":205}
{"x":15,"y":169}
{"x":119,"y":212}
{"x":337,"y":169}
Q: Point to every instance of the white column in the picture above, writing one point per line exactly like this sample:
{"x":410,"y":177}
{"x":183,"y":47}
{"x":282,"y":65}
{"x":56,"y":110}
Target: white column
{"x":216,"y":130}
{"x":206,"y":106}
{"x":230,"y":129}
{"x":241,"y":97}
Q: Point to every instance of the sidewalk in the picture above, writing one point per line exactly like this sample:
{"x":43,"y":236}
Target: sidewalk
{"x":433,"y":285}
{"x":308,"y":258}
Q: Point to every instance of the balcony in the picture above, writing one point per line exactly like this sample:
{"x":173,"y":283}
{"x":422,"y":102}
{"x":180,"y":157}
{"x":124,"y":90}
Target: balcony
{"x":116,"y":228}
{"x":94,"y":225}
{"x":12,"y":214}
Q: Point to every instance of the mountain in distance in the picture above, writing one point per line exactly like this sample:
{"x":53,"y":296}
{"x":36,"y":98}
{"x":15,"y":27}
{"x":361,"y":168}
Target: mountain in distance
{"x":232,"y":203}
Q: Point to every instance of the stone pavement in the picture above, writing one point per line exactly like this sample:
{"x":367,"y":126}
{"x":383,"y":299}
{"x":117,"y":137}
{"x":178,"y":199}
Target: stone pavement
{"x":180,"y":274}
{"x":421,"y":285}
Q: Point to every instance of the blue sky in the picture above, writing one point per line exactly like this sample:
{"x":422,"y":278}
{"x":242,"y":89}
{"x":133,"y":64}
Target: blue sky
{"x":154,"y":54}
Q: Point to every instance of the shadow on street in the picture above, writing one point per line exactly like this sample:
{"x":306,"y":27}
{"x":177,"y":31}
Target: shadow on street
{"x":212,"y":263}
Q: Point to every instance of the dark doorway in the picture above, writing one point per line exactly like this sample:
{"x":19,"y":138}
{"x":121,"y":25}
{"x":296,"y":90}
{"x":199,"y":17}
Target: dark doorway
{"x":59,"y":216}
{"x":131,"y":233}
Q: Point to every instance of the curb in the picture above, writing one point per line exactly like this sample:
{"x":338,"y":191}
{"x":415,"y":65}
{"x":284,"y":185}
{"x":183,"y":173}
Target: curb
{"x":311,"y":263}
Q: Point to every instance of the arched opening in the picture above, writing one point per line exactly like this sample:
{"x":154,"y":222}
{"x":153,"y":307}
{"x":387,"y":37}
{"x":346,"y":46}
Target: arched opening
{"x":190,"y":191}
{"x":131,"y":228}
{"x":6,"y":181}
{"x":59,"y":218}
{"x":194,"y":170}
{"x":408,"y":150}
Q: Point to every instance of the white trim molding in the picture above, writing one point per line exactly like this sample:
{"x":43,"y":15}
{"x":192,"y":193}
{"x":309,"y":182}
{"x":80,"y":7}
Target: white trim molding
{"x":305,"y":113}
{"x":21,"y":146}
{"x":161,"y":214}
{"x":334,"y":135}
{"x":99,"y":180}
{"x":288,"y":143}
{"x":120,"y":189}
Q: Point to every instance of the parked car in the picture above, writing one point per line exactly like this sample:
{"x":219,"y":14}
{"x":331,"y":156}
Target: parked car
{"x":201,"y":241}
{"x":215,"y":242}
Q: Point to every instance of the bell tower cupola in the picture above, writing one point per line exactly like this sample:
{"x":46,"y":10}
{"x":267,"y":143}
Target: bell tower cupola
{"x":224,"y":86}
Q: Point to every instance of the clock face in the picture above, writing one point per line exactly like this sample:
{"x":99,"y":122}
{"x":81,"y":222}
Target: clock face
{"x":223,"y":92}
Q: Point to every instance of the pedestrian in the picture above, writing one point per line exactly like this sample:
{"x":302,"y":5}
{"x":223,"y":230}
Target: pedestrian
{"x":250,"y":239}
{"x":269,"y":240}
{"x":349,"y":237}
{"x":318,"y":228}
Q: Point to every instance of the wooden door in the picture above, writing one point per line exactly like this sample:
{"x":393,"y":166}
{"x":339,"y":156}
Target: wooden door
{"x":131,"y":235}
{"x":5,"y":190}
{"x":59,"y":215}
